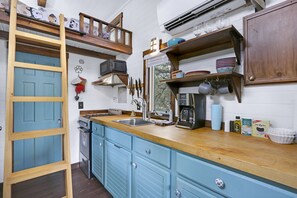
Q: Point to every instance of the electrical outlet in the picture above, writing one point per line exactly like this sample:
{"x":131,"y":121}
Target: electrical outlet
{"x":80,"y":105}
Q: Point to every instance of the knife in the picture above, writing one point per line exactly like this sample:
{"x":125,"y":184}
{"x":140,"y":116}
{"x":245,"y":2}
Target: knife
{"x":139,"y":86}
{"x":136,"y":86}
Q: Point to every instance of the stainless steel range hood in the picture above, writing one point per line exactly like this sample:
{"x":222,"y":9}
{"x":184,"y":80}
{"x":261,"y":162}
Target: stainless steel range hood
{"x":112,"y":80}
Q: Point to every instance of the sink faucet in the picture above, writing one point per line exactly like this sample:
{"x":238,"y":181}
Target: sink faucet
{"x":142,"y":105}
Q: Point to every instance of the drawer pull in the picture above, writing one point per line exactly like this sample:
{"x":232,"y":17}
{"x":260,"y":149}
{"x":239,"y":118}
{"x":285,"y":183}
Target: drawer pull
{"x":220,"y":183}
{"x":148,"y":151}
{"x":134,"y":165}
{"x":177,"y":193}
{"x":117,"y":146}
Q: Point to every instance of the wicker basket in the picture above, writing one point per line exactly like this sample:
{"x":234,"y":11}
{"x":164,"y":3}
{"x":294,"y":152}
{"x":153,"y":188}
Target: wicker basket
{"x":281,"y":135}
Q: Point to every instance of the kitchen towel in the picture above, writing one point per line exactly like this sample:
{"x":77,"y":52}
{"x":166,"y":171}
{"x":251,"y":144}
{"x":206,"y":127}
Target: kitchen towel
{"x":216,"y":116}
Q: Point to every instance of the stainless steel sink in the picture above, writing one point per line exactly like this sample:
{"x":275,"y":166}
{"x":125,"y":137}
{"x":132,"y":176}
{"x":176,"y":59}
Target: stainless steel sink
{"x":134,"y":121}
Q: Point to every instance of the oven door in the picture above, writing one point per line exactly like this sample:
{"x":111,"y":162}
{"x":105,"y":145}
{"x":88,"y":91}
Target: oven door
{"x":85,"y":165}
{"x":84,"y":142}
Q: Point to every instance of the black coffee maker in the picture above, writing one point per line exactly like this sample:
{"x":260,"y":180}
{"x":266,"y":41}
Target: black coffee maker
{"x":192,"y":110}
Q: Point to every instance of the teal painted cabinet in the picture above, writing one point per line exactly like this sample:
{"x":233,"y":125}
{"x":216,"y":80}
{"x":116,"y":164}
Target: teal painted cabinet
{"x":185,"y":189}
{"x":149,"y":180}
{"x":223,"y":181}
{"x":98,"y":157}
{"x":117,"y":170}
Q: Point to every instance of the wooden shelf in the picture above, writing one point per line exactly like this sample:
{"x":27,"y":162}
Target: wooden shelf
{"x":190,"y":81}
{"x":225,"y":38}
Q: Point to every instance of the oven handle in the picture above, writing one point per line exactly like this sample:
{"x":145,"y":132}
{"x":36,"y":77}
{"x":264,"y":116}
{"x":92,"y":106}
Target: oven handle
{"x":83,"y":130}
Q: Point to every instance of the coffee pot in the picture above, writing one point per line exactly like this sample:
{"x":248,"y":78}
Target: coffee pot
{"x":192,"y":110}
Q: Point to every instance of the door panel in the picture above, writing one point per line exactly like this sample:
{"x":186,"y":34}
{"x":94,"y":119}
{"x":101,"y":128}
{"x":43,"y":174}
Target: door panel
{"x":37,"y":115}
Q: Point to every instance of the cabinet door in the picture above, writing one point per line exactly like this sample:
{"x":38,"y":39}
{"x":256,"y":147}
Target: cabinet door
{"x":98,"y":157}
{"x":271,"y":45}
{"x":117,"y":170}
{"x":186,"y":190}
{"x":149,"y":180}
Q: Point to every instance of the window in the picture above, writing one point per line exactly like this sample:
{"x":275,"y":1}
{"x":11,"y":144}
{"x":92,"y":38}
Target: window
{"x":160,"y":96}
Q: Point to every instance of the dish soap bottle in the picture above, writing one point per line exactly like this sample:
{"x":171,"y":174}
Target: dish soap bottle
{"x":237,"y":125}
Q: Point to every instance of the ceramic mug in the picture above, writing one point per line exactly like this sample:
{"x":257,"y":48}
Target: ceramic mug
{"x":206,"y":88}
{"x":225,"y":88}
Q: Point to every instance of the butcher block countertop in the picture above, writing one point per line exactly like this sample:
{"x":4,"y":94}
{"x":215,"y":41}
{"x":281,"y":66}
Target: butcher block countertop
{"x":256,"y":156}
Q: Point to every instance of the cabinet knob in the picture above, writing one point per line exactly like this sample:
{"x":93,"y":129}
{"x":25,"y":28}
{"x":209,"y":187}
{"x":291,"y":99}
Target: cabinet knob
{"x":134,"y":165}
{"x":220,"y":183}
{"x":148,"y":151}
{"x":177,"y":193}
{"x":100,"y":144}
{"x":252,"y":77}
{"x":95,"y":129}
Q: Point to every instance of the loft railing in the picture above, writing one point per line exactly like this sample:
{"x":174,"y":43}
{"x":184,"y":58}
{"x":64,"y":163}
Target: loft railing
{"x":98,"y":28}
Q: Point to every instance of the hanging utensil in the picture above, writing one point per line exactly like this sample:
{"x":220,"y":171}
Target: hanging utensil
{"x":136,"y":86}
{"x":132,"y":87}
{"x":139,"y":86}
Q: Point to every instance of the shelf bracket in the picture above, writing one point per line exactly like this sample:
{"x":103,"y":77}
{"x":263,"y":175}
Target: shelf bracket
{"x":236,"y":46}
{"x":236,"y":84}
{"x":174,"y":61}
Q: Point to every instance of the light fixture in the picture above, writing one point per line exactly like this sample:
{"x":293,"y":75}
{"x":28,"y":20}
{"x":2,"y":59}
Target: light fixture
{"x":154,"y":44}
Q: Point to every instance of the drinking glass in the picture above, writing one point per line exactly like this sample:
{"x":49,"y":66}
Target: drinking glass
{"x":198,"y":29}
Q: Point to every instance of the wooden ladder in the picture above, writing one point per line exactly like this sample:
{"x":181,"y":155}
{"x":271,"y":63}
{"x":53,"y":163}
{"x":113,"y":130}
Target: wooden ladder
{"x":11,"y":177}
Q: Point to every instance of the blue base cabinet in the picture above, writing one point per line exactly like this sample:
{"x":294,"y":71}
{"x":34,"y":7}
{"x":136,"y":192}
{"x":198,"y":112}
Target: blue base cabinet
{"x":186,"y":189}
{"x":131,"y":167}
{"x":224,"y":181}
{"x":149,"y":180}
{"x":118,"y":160}
{"x":117,"y":171}
{"x":98,"y":157}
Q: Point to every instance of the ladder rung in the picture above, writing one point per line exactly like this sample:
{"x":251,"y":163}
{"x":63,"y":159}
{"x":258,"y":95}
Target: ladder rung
{"x":40,"y":39}
{"x":35,"y":172}
{"x":36,"y":99}
{"x":37,"y":66}
{"x":36,"y":134}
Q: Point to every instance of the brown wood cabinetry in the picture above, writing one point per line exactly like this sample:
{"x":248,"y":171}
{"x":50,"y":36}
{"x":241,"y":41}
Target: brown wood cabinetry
{"x":271,"y":45}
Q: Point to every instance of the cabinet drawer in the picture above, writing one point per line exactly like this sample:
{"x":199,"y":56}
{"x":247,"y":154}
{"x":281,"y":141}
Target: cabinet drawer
{"x":119,"y":138}
{"x":98,"y":129}
{"x":152,"y":151}
{"x":232,"y":183}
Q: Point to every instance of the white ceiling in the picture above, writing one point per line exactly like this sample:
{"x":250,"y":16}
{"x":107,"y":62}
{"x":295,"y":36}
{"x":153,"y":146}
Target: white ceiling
{"x":101,"y":9}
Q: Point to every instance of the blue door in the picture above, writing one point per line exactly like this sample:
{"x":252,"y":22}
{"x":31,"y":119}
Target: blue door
{"x":30,"y":116}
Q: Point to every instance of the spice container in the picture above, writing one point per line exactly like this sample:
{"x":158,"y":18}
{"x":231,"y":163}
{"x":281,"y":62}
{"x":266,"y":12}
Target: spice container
{"x":237,"y":125}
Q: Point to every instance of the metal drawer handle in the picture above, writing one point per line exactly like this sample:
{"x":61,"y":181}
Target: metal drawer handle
{"x":134,"y":165}
{"x":148,"y":151}
{"x":220,"y":183}
{"x":177,"y":193}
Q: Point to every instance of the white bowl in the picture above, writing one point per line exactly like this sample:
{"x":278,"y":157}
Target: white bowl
{"x":281,"y":139}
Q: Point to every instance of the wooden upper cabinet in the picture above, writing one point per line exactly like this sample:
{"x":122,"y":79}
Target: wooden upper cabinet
{"x":271,"y":45}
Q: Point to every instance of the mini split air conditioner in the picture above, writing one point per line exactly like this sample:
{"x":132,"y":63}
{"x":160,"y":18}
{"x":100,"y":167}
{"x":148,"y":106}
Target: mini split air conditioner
{"x":180,"y":15}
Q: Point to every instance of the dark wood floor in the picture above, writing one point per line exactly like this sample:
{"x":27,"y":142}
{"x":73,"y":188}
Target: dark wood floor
{"x":52,"y":186}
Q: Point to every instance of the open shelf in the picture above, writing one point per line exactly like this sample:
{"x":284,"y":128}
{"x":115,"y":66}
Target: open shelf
{"x":191,"y":81}
{"x":225,"y":38}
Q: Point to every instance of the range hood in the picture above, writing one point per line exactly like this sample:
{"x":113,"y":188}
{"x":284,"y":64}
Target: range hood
{"x":112,"y":79}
